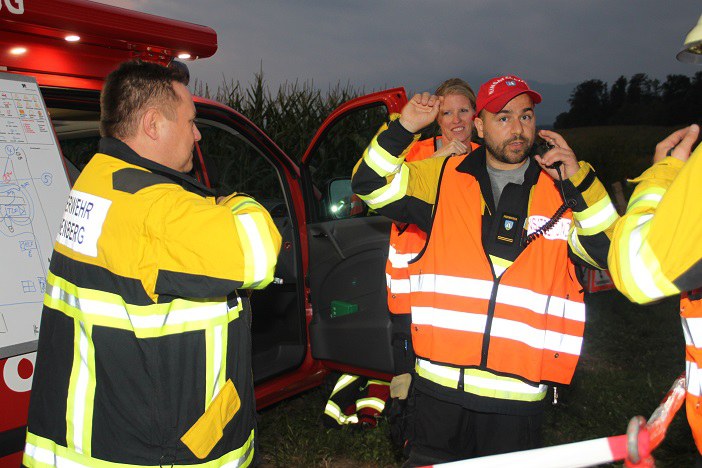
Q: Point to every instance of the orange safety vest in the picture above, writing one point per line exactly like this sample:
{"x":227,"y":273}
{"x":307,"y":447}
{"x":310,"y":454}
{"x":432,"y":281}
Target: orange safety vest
{"x":406,"y":241}
{"x":691,"y":315}
{"x":529,"y":322}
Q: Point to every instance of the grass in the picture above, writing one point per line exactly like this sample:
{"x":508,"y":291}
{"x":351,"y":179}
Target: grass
{"x":631,"y":356}
{"x":616,"y":152}
{"x":292,"y":435}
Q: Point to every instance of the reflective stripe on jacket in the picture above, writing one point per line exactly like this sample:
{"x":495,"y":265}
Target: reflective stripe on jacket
{"x":406,"y":241}
{"x":143,"y":358}
{"x":527,"y":323}
{"x":691,"y":315}
{"x":655,"y":252}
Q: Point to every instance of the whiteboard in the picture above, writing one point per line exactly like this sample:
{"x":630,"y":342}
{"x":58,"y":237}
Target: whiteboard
{"x":33,"y":191}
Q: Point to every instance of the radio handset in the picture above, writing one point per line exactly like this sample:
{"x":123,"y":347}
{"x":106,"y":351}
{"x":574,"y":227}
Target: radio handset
{"x":541,"y":148}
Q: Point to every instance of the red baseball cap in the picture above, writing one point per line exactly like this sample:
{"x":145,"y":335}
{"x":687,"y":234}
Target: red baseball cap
{"x":497,"y":92}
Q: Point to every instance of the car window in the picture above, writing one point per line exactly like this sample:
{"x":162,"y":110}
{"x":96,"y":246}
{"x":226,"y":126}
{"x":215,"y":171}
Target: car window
{"x":79,"y":135}
{"x":334,"y":158}
{"x":235,"y":165}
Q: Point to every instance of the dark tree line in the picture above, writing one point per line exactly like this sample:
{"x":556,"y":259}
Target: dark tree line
{"x":638,"y":100}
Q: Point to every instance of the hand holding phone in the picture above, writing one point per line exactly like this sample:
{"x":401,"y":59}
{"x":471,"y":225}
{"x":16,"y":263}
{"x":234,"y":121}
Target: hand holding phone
{"x":560,"y":152}
{"x":542,"y":147}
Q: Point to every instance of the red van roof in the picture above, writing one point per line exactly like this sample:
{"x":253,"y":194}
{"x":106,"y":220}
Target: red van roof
{"x":33,"y":40}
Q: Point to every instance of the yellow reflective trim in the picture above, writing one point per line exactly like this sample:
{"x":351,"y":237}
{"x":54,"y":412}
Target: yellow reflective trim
{"x":391,"y":192}
{"x":81,"y":391}
{"x":41,"y":452}
{"x":444,"y":381}
{"x":624,"y":246}
{"x":647,"y":198}
{"x":502,"y":394}
{"x":642,"y":267}
{"x":485,"y":391}
{"x":646,"y":204}
{"x":72,"y":390}
{"x":499,"y":265}
{"x":89,"y":401}
{"x":270,"y":256}
{"x":379,"y":160}
{"x":604,"y":209}
{"x":154,"y":320}
{"x":210,"y":390}
{"x":344,"y":381}
{"x":637,"y":271}
{"x":504,"y":263}
{"x":222,"y":376}
{"x":653,"y":267}
{"x":371,"y":402}
{"x":578,"y":249}
{"x":215,"y":374}
{"x":245,"y":202}
{"x":246,"y":251}
{"x":333,"y":411}
{"x":378,"y":382}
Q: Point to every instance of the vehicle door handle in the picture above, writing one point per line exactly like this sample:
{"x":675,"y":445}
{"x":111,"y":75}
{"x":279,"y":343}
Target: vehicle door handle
{"x":324,"y":235}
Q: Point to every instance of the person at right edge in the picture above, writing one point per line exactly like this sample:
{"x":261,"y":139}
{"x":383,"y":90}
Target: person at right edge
{"x":656,"y":250}
{"x":497,"y":310}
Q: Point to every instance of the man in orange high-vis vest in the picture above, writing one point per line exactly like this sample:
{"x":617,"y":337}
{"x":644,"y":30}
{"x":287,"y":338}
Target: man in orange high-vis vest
{"x":497,"y":311}
{"x":455,"y":121}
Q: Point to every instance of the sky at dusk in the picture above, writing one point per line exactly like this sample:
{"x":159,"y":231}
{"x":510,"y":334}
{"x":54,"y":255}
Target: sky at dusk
{"x":376,"y":44}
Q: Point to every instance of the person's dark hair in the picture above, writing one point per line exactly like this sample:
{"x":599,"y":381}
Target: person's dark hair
{"x":456,"y":86}
{"x":131,"y":89}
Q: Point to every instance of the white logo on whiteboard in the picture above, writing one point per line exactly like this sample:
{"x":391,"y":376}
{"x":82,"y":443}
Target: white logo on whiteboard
{"x":82,"y":222}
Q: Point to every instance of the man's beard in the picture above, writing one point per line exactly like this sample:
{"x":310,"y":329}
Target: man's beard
{"x":501,"y":154}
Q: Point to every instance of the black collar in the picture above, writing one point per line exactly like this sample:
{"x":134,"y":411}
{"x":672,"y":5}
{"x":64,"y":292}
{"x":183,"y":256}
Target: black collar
{"x":475,"y":163}
{"x":120,"y":150}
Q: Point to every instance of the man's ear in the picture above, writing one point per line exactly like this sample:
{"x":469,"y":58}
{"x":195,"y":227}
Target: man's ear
{"x":478,"y":123}
{"x":150,"y":123}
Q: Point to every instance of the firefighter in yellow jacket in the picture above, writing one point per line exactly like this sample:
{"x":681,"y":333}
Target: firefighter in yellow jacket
{"x":497,"y":311}
{"x":144,"y":358}
{"x":656,"y":250}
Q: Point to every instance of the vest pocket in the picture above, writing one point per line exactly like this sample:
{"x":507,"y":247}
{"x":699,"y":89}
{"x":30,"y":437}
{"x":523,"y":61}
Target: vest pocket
{"x":209,"y":428}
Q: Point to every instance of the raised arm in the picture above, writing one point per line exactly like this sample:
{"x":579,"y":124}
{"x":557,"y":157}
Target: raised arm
{"x":401,"y":191}
{"x":230,"y":245}
{"x":656,"y":249}
{"x":594,"y":214}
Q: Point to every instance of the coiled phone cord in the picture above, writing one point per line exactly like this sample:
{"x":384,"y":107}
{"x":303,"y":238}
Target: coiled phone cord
{"x":568,"y":203}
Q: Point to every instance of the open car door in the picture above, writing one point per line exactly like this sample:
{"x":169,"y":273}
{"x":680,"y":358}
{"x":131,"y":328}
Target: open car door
{"x":348,"y":246}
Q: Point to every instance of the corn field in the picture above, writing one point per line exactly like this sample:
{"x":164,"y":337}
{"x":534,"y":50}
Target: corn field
{"x":290,"y":116}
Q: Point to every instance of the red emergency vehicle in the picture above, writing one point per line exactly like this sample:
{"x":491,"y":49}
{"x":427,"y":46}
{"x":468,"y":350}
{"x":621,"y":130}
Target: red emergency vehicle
{"x":327,"y":309}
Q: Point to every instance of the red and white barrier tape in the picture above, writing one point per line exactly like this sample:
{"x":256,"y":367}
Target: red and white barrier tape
{"x":635,"y":447}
